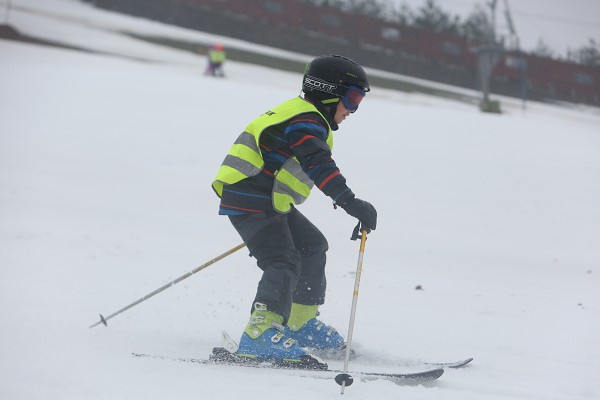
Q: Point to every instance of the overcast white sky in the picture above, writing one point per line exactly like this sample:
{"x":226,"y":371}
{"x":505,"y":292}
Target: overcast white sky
{"x":560,"y":23}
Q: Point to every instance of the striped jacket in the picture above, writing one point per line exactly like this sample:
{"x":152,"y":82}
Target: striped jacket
{"x":303,"y":136}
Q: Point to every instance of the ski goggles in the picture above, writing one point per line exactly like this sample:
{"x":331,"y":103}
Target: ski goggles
{"x":353,"y":97}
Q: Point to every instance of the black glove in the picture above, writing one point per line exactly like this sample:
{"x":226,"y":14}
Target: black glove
{"x":364,"y":211}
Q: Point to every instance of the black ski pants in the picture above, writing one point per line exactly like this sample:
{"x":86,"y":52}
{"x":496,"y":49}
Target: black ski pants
{"x":290,"y":251}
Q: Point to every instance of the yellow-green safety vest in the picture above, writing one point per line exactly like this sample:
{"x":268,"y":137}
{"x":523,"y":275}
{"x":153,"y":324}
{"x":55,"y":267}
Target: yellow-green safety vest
{"x":216,"y":56}
{"x":292,"y":185}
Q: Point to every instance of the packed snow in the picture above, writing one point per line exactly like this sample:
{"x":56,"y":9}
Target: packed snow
{"x":488,"y":242}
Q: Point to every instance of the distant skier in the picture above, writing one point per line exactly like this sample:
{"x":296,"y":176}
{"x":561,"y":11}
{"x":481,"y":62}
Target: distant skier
{"x":270,"y":169}
{"x":216,"y":59}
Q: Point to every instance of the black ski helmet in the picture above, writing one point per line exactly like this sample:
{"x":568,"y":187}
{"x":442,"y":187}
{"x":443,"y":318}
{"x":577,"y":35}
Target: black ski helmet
{"x":332,"y":75}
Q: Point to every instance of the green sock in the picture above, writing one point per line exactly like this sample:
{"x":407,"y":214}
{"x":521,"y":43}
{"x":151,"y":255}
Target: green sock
{"x":300,"y":315}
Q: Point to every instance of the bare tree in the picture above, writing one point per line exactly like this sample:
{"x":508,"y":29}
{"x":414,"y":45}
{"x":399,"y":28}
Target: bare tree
{"x":588,"y":54}
{"x":431,"y":16}
{"x":477,"y":26}
{"x":542,"y":49}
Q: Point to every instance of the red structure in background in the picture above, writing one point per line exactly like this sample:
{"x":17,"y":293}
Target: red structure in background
{"x":299,"y":25}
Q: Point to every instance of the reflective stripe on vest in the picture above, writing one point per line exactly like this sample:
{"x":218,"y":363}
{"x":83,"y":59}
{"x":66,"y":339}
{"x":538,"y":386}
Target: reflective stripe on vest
{"x":292,"y":185}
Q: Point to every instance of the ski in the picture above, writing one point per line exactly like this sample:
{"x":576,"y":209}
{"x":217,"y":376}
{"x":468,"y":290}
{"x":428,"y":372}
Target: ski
{"x":221,"y":356}
{"x":455,"y":364}
{"x":338,"y":354}
{"x":335,"y":355}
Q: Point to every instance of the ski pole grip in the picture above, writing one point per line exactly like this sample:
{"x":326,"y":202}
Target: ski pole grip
{"x":355,"y":232}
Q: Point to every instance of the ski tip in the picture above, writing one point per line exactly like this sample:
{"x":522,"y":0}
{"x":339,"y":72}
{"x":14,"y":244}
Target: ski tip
{"x":418,"y":377}
{"x":437,"y":373}
{"x":462,"y":363}
{"x":426,"y":375}
{"x":456,"y":364}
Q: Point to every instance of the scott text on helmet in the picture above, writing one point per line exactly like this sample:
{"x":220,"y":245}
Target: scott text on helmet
{"x":318,"y":85}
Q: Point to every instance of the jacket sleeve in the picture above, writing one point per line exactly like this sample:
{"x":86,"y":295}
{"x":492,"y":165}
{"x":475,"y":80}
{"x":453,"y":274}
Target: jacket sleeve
{"x":307,"y":135}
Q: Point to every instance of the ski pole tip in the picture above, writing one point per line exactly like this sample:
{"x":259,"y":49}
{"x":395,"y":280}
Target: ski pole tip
{"x":102,"y":321}
{"x":344,"y":380}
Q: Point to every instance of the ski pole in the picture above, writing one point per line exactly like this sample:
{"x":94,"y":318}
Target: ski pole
{"x":168,"y":285}
{"x":344,"y":379}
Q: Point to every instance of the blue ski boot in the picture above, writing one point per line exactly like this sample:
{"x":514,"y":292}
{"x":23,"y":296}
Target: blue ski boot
{"x":313,"y":334}
{"x":264,"y":340}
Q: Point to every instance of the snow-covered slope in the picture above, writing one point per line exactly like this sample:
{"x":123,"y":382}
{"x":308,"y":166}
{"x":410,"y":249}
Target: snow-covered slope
{"x":105,"y":172}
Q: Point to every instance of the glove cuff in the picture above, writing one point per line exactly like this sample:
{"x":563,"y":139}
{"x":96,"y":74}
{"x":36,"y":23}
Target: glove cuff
{"x":344,"y":200}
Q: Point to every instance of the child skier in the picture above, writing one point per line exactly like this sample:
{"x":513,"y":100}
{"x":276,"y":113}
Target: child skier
{"x":271,"y":168}
{"x":216,"y":59}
